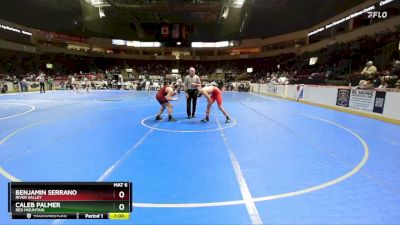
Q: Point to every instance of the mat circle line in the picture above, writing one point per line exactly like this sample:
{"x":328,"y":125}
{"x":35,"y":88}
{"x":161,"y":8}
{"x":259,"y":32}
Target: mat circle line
{"x":32,"y":108}
{"x":233,"y":123}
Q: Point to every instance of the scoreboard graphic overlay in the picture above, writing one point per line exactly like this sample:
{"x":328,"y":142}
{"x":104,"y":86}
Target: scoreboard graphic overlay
{"x":66,"y":200}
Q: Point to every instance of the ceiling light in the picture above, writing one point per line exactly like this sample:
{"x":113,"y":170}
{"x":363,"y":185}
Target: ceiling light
{"x":101,"y":12}
{"x":225,"y":12}
{"x":97,"y":3}
{"x":238,"y":3}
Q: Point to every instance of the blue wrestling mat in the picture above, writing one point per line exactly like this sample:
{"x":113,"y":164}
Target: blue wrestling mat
{"x":277,"y":162}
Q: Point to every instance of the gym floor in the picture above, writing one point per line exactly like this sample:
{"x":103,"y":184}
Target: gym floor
{"x":277,"y":162}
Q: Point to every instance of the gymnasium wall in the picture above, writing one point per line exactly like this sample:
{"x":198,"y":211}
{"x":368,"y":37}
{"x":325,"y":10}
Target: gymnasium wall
{"x":382,"y":105}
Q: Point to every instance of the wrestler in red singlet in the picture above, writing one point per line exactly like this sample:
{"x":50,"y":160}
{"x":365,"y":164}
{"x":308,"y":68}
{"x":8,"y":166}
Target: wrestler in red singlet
{"x":160,"y":96}
{"x":216,"y":95}
{"x":163,"y":96}
{"x":213,"y":94}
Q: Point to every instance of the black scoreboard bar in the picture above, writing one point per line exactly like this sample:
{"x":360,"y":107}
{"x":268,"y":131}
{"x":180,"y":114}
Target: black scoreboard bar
{"x":66,"y":200}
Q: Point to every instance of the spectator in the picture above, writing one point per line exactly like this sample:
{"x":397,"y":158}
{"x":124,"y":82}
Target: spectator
{"x":366,"y":84}
{"x":24,"y":85}
{"x":220,"y":84}
{"x":370,"y":69}
{"x":384,"y":83}
{"x":147,"y":85}
{"x":50,"y":83}
{"x":75,"y":83}
{"x":397,"y":85}
{"x":3,"y":87}
{"x":396,"y":69}
{"x":88,"y":84}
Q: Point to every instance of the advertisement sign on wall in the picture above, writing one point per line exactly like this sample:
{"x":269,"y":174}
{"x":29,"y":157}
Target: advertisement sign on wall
{"x":362,"y":99}
{"x":366,"y":100}
{"x":379,"y":101}
{"x":343,"y":97}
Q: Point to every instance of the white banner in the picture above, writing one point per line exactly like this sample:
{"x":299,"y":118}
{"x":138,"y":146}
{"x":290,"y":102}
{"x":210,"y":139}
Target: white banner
{"x":362,"y":99}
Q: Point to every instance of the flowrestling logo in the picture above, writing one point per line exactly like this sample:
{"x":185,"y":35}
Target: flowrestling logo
{"x":377,"y":14}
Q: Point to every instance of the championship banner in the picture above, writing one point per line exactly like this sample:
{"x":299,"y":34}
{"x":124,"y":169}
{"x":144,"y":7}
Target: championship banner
{"x":343,"y":97}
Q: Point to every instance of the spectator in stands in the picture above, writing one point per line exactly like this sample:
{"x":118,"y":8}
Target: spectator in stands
{"x":147,"y":85}
{"x":24,"y":85}
{"x":88,"y":83}
{"x":50,"y":83}
{"x":274,"y":79}
{"x":75,"y":83}
{"x":15,"y":82}
{"x":156,"y":85}
{"x":370,"y":69}
{"x":397,"y":85}
{"x":366,"y":84}
{"x":3,"y":87}
{"x":384,"y":83}
{"x":178,"y":85}
{"x":220,"y":84}
{"x":396,"y":69}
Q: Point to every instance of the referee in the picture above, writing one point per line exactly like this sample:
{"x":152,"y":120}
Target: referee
{"x":41,"y":80}
{"x":190,"y":83}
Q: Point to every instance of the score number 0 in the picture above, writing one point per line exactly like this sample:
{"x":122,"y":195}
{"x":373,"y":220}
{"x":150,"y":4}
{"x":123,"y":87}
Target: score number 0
{"x":121,"y":195}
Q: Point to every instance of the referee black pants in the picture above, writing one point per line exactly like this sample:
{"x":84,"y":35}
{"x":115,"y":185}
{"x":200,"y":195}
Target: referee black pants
{"x":42,"y":89}
{"x":191,"y":102}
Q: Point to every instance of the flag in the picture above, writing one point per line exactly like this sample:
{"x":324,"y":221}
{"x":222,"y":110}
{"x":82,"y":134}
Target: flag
{"x":184,"y":33}
{"x":175,"y":31}
{"x":165,"y":31}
